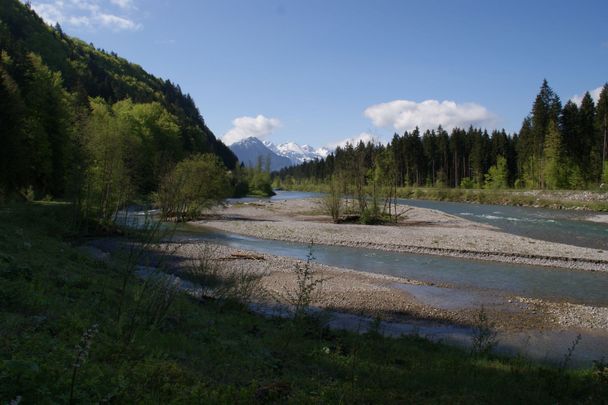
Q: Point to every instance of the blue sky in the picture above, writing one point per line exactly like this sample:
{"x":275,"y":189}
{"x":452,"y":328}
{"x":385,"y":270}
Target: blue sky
{"x":319,"y":72}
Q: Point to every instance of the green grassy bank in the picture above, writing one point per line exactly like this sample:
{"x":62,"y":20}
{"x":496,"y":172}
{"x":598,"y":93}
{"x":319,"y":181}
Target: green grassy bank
{"x":62,"y":338}
{"x":575,"y":199}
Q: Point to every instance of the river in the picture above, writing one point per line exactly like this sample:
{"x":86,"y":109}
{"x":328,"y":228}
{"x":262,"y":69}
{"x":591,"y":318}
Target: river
{"x":471,"y":283}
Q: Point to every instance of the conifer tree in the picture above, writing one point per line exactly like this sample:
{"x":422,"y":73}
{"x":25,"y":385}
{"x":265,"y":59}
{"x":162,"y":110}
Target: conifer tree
{"x":601,"y":139}
{"x":586,"y":140}
{"x":553,"y":167}
{"x":546,"y":108}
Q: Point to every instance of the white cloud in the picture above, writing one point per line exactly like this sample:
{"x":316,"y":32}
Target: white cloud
{"x":244,"y":127}
{"x":363,"y":136}
{"x":595,"y":94}
{"x":117,"y":23}
{"x":405,"y":115}
{"x":88,"y":13}
{"x":125,"y":4}
{"x":50,"y":13}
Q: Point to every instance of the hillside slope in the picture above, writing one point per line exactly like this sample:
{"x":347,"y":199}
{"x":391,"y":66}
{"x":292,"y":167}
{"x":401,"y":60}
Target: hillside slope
{"x":89,"y":72}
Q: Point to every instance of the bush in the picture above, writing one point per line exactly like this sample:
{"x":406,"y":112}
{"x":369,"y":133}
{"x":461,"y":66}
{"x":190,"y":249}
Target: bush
{"x":195,"y":184}
{"x":467,"y":183}
{"x":332,"y":201}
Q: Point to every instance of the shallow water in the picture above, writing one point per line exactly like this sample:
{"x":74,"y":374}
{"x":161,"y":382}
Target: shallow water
{"x":280,"y":195}
{"x":584,"y":287}
{"x":563,"y":226}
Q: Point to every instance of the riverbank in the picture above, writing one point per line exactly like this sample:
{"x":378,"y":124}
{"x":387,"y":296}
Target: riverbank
{"x":420,"y":231}
{"x":556,"y":199}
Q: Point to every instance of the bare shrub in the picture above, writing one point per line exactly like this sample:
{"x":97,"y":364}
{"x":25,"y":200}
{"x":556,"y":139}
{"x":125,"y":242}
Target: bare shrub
{"x":568,"y":356}
{"x":307,"y":287}
{"x":484,"y":335}
{"x":152,"y":301}
{"x":219,"y":280}
{"x":332,"y":203}
{"x":146,"y":246}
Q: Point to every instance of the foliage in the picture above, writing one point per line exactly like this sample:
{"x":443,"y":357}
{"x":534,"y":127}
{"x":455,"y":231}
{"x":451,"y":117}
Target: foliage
{"x":46,"y":80}
{"x":108,"y":146}
{"x":497,"y":176}
{"x":253,"y":181}
{"x":195,"y":184}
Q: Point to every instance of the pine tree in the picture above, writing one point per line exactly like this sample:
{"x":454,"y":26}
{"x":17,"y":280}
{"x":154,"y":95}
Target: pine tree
{"x":553,"y":167}
{"x":586,"y":140}
{"x":526,"y":162}
{"x":546,"y":108}
{"x":601,"y":139}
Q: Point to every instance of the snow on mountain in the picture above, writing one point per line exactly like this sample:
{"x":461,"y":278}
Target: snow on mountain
{"x":249,"y":150}
{"x":286,"y":154}
{"x":296,"y":153}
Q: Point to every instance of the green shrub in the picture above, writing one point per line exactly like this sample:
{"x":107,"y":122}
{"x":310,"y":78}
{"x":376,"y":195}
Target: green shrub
{"x":195,"y":184}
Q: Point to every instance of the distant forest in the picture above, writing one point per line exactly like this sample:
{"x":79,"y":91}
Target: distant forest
{"x":72,"y":115}
{"x":556,"y":148}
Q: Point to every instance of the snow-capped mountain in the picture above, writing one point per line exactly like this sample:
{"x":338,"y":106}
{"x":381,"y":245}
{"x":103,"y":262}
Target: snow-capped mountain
{"x":296,"y":153}
{"x":282,"y":155}
{"x":250,"y":149}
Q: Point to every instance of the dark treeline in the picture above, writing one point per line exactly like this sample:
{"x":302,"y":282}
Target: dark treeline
{"x":70,"y":112}
{"x":557,"y":147}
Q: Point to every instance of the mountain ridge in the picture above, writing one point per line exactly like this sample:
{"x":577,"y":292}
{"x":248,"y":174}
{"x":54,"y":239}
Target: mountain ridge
{"x":283,"y":155}
{"x":250,"y":150}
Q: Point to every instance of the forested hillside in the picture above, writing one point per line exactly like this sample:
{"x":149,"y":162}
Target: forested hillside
{"x":67,"y":107}
{"x":556,"y":148}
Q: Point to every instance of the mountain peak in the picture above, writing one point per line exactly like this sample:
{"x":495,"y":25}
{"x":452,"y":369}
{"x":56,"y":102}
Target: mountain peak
{"x":292,"y":151}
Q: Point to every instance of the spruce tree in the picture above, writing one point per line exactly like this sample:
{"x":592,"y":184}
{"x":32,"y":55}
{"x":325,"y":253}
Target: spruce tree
{"x":601,"y":139}
{"x":546,"y":108}
{"x":553,"y":167}
{"x":586,"y":140}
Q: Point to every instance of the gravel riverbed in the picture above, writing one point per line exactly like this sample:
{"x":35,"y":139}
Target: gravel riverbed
{"x":421,"y":231}
{"x":375,"y":295}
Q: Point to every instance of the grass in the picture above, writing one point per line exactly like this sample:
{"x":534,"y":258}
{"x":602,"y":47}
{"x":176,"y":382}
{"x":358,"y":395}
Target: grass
{"x":58,"y":311}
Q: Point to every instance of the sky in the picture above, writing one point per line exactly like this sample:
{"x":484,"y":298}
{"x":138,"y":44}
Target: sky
{"x":319,"y":72}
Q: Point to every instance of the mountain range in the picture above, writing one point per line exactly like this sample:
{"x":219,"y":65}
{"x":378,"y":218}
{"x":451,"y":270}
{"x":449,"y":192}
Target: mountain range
{"x":249,"y":150}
